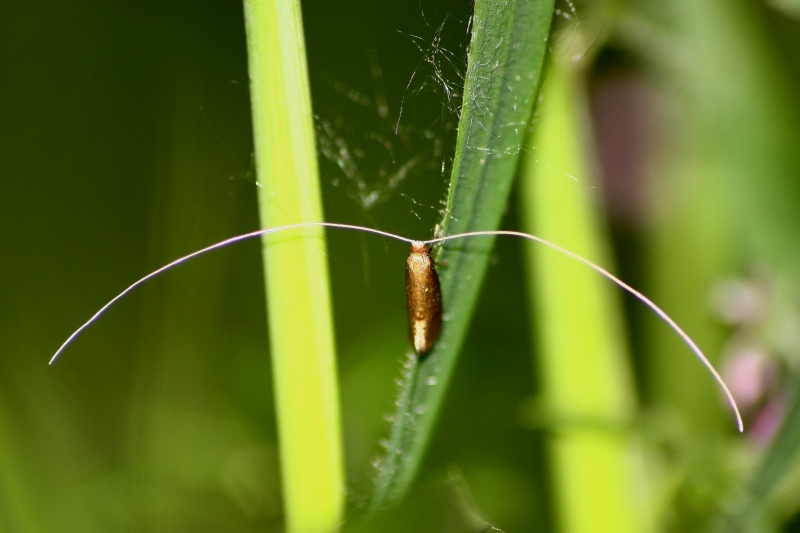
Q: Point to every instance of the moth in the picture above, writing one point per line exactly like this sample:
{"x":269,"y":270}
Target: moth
{"x":423,"y":291}
{"x":423,"y":298}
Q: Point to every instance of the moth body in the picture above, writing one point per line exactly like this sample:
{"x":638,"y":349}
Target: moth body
{"x":423,"y":297}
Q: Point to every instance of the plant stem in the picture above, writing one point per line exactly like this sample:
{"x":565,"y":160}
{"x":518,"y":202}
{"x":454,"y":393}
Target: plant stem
{"x":586,"y":384}
{"x":296,"y":273}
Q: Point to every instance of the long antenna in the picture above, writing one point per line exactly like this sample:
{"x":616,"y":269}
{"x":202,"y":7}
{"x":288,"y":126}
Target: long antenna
{"x":641,"y":297}
{"x":600,"y":270}
{"x":220,"y":244}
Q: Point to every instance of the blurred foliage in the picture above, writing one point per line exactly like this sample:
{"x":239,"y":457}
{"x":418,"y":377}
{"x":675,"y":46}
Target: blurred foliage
{"x":126,"y":142}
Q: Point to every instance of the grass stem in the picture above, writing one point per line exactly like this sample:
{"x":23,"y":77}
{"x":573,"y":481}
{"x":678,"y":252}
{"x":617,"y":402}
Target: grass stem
{"x":296,"y":271}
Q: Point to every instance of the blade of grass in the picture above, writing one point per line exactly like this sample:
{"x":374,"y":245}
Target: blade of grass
{"x":781,"y":458}
{"x":296,"y":273}
{"x":507,"y":50}
{"x":770,"y":495}
{"x":586,"y":382}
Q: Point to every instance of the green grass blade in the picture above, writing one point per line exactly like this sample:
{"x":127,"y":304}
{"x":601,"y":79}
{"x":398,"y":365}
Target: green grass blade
{"x":507,"y":50}
{"x":782,"y":456}
{"x":586,"y":383}
{"x":771,"y":491}
{"x":296,"y":273}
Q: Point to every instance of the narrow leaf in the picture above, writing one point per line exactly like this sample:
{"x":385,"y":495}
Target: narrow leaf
{"x":296,"y":272}
{"x":507,"y":50}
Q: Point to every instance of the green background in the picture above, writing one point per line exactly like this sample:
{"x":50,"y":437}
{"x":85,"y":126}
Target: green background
{"x":125,"y":142}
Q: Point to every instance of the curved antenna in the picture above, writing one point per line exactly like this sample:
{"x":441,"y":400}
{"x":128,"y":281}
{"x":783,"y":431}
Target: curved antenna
{"x":605,"y":273}
{"x":641,"y":297}
{"x":220,"y":244}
